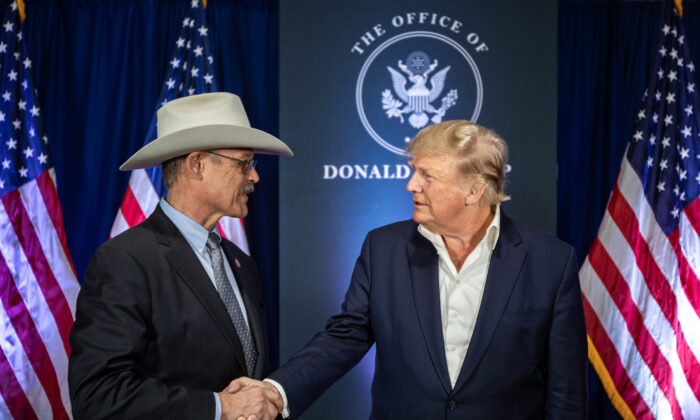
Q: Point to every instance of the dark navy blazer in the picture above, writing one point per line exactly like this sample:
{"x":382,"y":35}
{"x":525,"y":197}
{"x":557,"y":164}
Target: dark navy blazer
{"x":527,"y":356}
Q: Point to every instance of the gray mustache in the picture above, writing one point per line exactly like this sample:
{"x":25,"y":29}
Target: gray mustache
{"x":248,"y":189}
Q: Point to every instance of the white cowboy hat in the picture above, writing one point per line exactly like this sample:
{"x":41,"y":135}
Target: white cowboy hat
{"x":203,"y":122}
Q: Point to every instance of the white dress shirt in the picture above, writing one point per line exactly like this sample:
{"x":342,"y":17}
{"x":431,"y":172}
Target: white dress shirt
{"x":461,"y":292}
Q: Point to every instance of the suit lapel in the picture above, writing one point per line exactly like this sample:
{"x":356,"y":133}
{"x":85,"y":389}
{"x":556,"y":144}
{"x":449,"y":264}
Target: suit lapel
{"x":423,"y":262}
{"x":251,"y":300}
{"x":506,"y":261}
{"x":185,"y":262}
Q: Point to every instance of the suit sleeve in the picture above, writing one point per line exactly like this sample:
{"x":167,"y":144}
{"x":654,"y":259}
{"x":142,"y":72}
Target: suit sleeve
{"x":567,"y":354}
{"x":333,"y":352}
{"x":111,"y":332}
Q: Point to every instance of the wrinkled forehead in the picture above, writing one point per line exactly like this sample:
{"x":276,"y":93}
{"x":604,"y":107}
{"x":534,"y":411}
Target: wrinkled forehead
{"x":430,"y":160}
{"x":440,"y":166}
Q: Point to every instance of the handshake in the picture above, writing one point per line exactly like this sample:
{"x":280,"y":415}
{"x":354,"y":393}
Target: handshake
{"x":248,"y":399}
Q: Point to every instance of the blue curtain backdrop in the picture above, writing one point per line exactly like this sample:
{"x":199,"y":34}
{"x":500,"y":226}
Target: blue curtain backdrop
{"x":99,"y":67}
{"x":605,"y":51}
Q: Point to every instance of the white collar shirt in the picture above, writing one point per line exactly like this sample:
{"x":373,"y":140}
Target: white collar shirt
{"x":461,"y":292}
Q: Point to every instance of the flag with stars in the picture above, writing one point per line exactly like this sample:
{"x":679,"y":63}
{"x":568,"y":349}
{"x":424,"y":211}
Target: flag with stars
{"x":38,"y":284}
{"x":640,"y":279}
{"x":190,"y":72}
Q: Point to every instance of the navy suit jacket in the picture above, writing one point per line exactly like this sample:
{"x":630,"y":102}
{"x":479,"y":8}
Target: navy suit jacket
{"x":152,"y":338}
{"x":527,"y":356}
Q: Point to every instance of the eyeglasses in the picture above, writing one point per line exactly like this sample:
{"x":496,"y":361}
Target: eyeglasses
{"x":247,"y":165}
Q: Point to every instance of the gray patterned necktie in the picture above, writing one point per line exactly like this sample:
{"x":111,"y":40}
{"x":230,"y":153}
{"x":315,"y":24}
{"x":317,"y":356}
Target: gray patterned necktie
{"x":230,"y":301}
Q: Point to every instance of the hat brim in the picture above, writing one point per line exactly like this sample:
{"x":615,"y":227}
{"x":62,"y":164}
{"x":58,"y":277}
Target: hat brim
{"x":205,"y":138}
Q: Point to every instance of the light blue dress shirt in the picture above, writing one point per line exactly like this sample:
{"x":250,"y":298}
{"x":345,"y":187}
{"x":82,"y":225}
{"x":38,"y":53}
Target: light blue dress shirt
{"x":196,"y":235}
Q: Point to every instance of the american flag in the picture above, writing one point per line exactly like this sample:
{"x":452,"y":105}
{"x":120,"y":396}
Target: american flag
{"x":190,"y":72}
{"x":640,"y":279}
{"x":38,"y":284}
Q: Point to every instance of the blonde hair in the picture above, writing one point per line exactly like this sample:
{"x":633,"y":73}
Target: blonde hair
{"x":479,"y":152}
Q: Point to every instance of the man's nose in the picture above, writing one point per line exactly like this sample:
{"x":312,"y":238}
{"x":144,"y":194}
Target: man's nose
{"x":253,"y":176}
{"x":412,"y":185}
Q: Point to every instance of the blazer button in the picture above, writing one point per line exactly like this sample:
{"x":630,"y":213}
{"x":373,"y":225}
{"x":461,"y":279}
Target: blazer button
{"x":451,"y":405}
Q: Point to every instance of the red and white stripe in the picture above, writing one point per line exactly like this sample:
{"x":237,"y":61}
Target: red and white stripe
{"x":39,"y":291}
{"x":141,"y":198}
{"x":233,"y":229}
{"x":642,"y":304}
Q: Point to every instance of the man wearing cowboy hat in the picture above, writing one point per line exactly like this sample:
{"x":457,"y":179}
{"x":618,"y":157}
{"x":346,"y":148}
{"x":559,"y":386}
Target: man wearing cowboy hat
{"x":169,"y":312}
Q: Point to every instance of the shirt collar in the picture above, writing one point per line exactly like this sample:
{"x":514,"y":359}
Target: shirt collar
{"x":491,"y":236}
{"x":193,"y":232}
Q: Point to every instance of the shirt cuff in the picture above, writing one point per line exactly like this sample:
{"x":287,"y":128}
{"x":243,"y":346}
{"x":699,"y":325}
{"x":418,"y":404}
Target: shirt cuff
{"x":217,"y":412}
{"x":285,"y":412}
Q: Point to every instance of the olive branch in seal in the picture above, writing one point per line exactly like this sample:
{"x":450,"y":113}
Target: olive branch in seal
{"x":391,"y":106}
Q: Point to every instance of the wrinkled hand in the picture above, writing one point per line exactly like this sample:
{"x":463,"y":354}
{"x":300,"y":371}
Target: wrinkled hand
{"x":247,"y":399}
{"x":272,"y":394}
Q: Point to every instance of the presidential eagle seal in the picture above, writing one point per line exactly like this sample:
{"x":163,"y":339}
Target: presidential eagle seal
{"x":418,"y":97}
{"x":414,"y":79}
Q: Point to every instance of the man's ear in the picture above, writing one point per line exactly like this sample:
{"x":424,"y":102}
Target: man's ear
{"x":475,"y":192}
{"x":194,"y":164}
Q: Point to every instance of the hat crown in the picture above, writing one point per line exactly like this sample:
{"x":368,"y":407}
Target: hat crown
{"x":218,"y":108}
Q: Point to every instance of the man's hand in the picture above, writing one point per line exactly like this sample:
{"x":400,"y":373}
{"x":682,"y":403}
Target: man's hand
{"x":271,"y":393}
{"x":247,"y":399}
